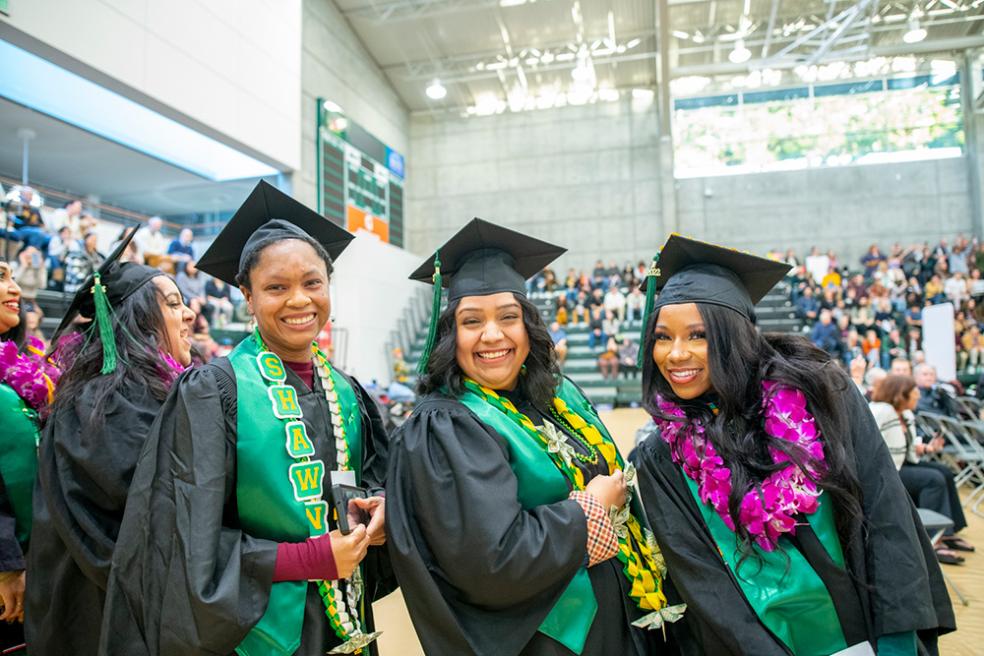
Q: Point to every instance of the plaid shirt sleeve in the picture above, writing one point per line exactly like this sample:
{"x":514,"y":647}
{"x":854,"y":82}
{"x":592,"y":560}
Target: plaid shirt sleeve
{"x":602,"y":540}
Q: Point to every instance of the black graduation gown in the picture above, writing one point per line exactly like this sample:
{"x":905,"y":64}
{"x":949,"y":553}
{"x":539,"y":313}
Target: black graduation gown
{"x":479,"y":574}
{"x":11,"y":560}
{"x":893,"y":566}
{"x":186,"y":580}
{"x":84,"y":473}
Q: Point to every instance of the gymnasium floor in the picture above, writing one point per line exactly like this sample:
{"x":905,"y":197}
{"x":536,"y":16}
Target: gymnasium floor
{"x":399,"y":639}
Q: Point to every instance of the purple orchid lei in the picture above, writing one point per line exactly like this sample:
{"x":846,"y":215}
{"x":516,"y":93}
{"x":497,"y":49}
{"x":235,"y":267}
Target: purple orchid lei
{"x":28,"y":373}
{"x":171,"y":368}
{"x":785,"y":493}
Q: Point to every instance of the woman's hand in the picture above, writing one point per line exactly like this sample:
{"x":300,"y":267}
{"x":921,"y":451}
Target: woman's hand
{"x":12,"y":596}
{"x":376,"y":507}
{"x":609,"y":490}
{"x":349,"y":550}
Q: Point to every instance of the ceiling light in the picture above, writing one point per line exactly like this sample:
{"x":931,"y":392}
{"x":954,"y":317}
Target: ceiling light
{"x":916,"y":32}
{"x":435,"y":90}
{"x":608,"y":94}
{"x":740,"y":54}
{"x":511,"y":3}
{"x":643,"y":94}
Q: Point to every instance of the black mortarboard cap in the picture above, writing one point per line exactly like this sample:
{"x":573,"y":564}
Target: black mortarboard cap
{"x":484,"y":258}
{"x":481,"y":259}
{"x":268,"y":213}
{"x":111,"y":284}
{"x":692,"y":271}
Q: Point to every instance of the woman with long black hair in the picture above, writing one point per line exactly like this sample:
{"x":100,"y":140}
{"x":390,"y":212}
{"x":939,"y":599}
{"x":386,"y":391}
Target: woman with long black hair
{"x":26,"y":386}
{"x":767,"y":484}
{"x":119,"y":369}
{"x":510,"y":529}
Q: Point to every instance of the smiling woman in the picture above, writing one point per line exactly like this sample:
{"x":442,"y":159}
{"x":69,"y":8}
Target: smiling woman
{"x":235,"y":483}
{"x":120,"y":368}
{"x":767,"y":483}
{"x":512,"y":527}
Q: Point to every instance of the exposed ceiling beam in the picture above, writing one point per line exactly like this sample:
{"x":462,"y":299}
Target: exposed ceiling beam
{"x":896,"y":50}
{"x":391,"y":11}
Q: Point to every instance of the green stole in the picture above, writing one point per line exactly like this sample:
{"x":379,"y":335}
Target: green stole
{"x":541,"y":483}
{"x":279,"y":497}
{"x":785,"y":592}
{"x":18,"y":456}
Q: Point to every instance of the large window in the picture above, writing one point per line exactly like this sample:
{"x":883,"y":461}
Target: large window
{"x":853,"y":122}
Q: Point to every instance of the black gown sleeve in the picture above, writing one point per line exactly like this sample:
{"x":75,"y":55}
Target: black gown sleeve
{"x":11,"y":555}
{"x":907,"y":590}
{"x":479,"y":573}
{"x":184,"y":581}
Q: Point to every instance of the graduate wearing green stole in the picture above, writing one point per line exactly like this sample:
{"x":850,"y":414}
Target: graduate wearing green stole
{"x":504,"y":483}
{"x":238,"y":473}
{"x":825,"y":552}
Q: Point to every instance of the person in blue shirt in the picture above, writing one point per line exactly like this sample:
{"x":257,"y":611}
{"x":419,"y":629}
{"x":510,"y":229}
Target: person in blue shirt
{"x":826,"y":335}
{"x":181,"y":249}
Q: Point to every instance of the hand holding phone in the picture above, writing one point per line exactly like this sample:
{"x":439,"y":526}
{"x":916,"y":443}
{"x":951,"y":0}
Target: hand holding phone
{"x":349,"y":514}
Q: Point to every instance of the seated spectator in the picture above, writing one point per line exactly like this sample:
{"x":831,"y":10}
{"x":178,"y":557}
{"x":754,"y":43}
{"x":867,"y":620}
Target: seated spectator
{"x":181,"y":249}
{"x":892,"y":347}
{"x":608,"y":360}
{"x":218,"y":299}
{"x":901,"y":367}
{"x":57,"y":252}
{"x":597,"y":299}
{"x":871,"y":346}
{"x":971,"y":346}
{"x":933,"y":290}
{"x":913,"y":343}
{"x":191,"y":283}
{"x":153,"y":245}
{"x":635,"y":303}
{"x":807,"y":307}
{"x":610,"y":325}
{"x":580,"y":313}
{"x":955,"y":289}
{"x":832,"y":279}
{"x":957,"y":261}
{"x":596,"y":334}
{"x":976,"y":285}
{"x":872,"y":378}
{"x":32,"y":325}
{"x":871,"y":260}
{"x":132,"y":253}
{"x":933,"y":397}
{"x":31,"y":274}
{"x":28,"y":226}
{"x":852,"y":348}
{"x":817,"y":265}
{"x":205,"y":347}
{"x":615,"y":302}
{"x":559,"y":337}
{"x":826,"y":336}
{"x":81,"y":261}
{"x":930,"y":484}
{"x":69,"y":217}
{"x":560,"y":314}
{"x":628,"y":357}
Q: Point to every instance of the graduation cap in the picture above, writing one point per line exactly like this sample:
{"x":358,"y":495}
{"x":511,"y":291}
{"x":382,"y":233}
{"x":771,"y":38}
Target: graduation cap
{"x":111,"y":284}
{"x":690,"y":271}
{"x":268,"y":214}
{"x":481,"y":259}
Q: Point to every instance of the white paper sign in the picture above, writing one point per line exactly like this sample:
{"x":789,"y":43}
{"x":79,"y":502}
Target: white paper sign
{"x":938,"y":342}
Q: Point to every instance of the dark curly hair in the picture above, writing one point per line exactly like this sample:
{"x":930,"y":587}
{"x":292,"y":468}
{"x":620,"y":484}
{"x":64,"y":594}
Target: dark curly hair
{"x":739,"y":359}
{"x":538,"y":384}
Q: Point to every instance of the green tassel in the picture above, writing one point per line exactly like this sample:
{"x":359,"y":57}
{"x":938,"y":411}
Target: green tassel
{"x":435,"y":313}
{"x":651,"y":276}
{"x":104,"y":324}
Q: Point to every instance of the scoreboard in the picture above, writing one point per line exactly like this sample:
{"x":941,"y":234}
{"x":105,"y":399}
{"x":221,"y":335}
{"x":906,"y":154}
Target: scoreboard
{"x":360,"y":179}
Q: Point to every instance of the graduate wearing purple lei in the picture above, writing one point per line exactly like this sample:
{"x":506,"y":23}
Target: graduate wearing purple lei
{"x":768,"y":487}
{"x":124,"y":341}
{"x":27,"y":383}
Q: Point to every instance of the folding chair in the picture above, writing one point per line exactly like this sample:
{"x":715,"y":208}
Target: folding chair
{"x":975,"y":433}
{"x":935,"y":525}
{"x":968,"y":407}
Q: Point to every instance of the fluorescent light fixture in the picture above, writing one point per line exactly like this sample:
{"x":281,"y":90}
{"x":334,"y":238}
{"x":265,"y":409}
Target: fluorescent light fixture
{"x":40,"y":85}
{"x":916,"y":32}
{"x":740,"y":54}
{"x":511,"y":3}
{"x":643,"y":94}
{"x":435,"y":90}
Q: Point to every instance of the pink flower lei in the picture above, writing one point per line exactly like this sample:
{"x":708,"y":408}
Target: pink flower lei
{"x":28,"y":373}
{"x":785,"y":493}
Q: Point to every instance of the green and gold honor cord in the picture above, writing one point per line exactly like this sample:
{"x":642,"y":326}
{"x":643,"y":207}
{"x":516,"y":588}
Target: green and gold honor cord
{"x":642,"y":563}
{"x":342,"y":608}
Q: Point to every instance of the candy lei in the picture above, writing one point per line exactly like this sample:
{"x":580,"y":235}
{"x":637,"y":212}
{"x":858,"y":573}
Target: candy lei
{"x":29,"y":374}
{"x":341,"y":607}
{"x":641,"y":561}
{"x":769,"y":510}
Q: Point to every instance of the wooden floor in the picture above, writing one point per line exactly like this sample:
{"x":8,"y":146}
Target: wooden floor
{"x":399,"y":639}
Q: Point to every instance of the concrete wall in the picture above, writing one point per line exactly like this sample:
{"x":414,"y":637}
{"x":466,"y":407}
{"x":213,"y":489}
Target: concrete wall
{"x":336,"y":66}
{"x":844,"y":208}
{"x":232,"y":65}
{"x":367,"y":302}
{"x":587,"y":178}
{"x":584,"y":177}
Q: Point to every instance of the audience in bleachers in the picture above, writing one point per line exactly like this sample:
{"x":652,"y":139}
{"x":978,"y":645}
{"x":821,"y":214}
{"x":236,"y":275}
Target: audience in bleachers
{"x":58,"y":249}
